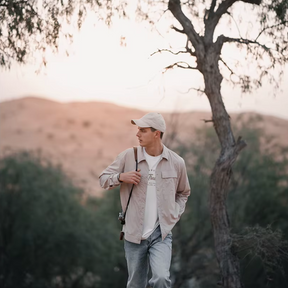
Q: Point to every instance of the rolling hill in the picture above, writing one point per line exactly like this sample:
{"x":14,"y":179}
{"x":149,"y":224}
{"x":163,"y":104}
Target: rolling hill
{"x":85,"y":137}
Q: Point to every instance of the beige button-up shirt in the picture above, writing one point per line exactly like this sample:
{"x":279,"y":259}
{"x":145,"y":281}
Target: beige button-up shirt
{"x":172,"y":188}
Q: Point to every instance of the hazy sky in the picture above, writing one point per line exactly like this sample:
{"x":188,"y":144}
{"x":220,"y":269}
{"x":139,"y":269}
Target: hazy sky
{"x":114,"y":65}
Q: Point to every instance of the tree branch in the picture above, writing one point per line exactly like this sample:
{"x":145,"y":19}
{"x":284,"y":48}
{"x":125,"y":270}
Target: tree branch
{"x":231,"y":71}
{"x":270,"y":27}
{"x":213,"y":17}
{"x":225,"y":5}
{"x":240,"y":145}
{"x":178,"y":30}
{"x":223,"y":8}
{"x":189,"y":50}
{"x":196,"y":89}
{"x":243,"y":41}
{"x":235,"y":24}
{"x":167,"y":50}
{"x":175,"y":7}
{"x":177,"y":64}
{"x":207,"y":121}
{"x":256,"y":2}
{"x":211,"y":10}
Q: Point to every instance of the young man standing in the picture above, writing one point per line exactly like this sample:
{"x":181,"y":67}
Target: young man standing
{"x":161,"y":189}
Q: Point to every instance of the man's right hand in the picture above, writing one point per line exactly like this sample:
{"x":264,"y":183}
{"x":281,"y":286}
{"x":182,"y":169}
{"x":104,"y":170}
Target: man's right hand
{"x":132,"y":177}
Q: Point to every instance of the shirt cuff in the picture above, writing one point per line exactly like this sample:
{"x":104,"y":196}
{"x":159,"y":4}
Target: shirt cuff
{"x":116,"y":179}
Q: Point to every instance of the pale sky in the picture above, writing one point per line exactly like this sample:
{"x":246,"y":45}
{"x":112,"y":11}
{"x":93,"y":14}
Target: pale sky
{"x":99,"y":68}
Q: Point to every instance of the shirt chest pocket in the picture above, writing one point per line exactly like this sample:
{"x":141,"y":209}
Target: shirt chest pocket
{"x":169,"y":174}
{"x":169,"y":179}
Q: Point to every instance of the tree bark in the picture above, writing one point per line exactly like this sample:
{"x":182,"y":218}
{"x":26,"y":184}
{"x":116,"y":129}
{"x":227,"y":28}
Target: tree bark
{"x":208,"y":55}
{"x":220,"y":178}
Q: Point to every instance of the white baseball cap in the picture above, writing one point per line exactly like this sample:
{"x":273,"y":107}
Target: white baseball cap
{"x":154,"y":120}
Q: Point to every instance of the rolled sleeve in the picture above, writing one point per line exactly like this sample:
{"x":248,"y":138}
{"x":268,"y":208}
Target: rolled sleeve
{"x":109,"y":177}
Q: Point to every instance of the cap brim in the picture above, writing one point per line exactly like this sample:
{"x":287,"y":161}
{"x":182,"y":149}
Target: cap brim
{"x":140,"y":123}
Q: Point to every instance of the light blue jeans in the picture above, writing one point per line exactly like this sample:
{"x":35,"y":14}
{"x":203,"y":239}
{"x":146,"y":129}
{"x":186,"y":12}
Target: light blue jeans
{"x":151,"y":251}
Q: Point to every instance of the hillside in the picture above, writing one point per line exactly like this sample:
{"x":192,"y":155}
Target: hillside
{"x":85,"y":137}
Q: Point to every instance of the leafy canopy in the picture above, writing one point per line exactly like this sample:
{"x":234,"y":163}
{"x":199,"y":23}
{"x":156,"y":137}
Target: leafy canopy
{"x":30,"y":26}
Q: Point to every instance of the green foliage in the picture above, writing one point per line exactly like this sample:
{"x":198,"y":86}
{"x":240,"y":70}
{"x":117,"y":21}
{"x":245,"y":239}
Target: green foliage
{"x":23,"y":29}
{"x":267,"y":246}
{"x":257,"y":198}
{"x":30,"y":26}
{"x":113,"y":271}
{"x":47,"y":238}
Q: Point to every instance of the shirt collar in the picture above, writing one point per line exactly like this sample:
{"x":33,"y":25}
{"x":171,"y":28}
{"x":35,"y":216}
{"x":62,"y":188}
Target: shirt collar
{"x":165,"y":152}
{"x":141,"y":155}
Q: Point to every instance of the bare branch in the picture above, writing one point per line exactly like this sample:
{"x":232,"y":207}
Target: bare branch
{"x":177,"y":29}
{"x":235,"y":24}
{"x":189,"y":50}
{"x":207,"y":121}
{"x":244,"y":41}
{"x":231,"y":71}
{"x":212,"y":18}
{"x":196,"y":89}
{"x":240,"y":144}
{"x":175,"y":7}
{"x":270,"y":27}
{"x":223,"y":8}
{"x":256,"y":2}
{"x":225,"y":5}
{"x":178,"y":65}
{"x":168,"y":50}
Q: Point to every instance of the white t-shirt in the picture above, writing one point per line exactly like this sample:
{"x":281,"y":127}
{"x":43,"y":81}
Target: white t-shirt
{"x":151,"y":211}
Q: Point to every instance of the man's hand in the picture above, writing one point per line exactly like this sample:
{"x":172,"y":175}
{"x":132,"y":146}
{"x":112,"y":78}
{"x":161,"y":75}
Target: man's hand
{"x":132,"y":177}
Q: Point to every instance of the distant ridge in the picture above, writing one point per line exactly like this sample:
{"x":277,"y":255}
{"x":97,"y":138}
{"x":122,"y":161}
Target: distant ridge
{"x":86,"y":136}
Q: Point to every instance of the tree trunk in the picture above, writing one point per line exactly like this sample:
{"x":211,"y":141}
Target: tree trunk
{"x":207,"y":54}
{"x":220,"y":178}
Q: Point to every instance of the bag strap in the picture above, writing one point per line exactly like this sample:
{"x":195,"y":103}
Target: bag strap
{"x":124,"y":215}
{"x":135,"y":156}
{"x":136,"y":160}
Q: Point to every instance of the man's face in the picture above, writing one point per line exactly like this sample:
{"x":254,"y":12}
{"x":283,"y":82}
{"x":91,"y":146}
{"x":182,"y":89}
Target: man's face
{"x":146,"y":137}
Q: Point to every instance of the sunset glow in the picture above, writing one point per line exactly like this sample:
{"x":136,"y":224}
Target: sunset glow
{"x":115,"y":65}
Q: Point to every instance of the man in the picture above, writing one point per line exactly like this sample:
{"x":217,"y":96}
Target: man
{"x":161,"y":189}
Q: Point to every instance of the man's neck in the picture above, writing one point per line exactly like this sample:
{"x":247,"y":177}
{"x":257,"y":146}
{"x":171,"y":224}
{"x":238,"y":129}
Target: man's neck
{"x":154,"y":150}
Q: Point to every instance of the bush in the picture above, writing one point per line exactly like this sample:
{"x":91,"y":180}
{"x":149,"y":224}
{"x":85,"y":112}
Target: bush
{"x":257,"y":197}
{"x":47,"y":238}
